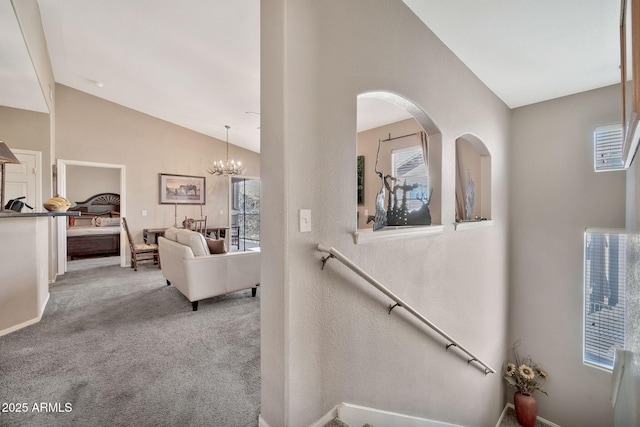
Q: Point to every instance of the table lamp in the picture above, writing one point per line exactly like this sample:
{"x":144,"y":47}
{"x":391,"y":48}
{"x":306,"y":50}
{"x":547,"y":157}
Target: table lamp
{"x":6,"y":156}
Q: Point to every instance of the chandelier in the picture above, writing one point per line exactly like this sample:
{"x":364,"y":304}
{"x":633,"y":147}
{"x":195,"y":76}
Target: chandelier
{"x":228,"y":168}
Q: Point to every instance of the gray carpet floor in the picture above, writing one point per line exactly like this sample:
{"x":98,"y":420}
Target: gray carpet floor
{"x":120,"y":348}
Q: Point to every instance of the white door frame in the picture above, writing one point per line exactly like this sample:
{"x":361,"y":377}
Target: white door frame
{"x":230,"y":204}
{"x":37,"y":173}
{"x":62,"y":191}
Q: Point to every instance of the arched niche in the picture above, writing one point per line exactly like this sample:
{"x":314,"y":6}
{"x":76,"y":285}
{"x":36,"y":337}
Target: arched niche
{"x":473,"y":180}
{"x":389,"y":124}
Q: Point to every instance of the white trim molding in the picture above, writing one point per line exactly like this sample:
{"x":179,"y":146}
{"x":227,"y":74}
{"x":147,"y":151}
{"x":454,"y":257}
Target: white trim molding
{"x":468,"y":225}
{"x":262,"y":422}
{"x":547,"y":423}
{"x":392,"y":233}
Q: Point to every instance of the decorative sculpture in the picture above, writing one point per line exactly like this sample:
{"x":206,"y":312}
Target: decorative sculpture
{"x":397,"y":213}
{"x":470,"y":196}
{"x":380,"y":219}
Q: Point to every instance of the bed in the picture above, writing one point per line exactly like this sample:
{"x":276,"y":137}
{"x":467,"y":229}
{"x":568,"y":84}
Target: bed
{"x":97,"y":230}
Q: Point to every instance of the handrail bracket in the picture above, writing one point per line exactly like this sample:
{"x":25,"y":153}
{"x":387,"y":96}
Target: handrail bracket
{"x":325,"y":259}
{"x":392,"y":306}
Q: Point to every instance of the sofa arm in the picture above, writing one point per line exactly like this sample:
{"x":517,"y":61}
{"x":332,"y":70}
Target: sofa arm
{"x":212,"y":275}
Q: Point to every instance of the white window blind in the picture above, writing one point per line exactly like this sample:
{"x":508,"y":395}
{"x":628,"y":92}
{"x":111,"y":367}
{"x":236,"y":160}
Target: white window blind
{"x":604,"y":296}
{"x":607,"y":148}
{"x":408,"y":165}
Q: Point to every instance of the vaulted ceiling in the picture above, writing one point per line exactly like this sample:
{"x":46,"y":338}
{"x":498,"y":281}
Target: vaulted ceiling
{"x":197,"y":63}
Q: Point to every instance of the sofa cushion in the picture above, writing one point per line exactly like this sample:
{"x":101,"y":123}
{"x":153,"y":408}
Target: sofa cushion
{"x":216,"y":246}
{"x":171,"y":233}
{"x":195,"y":241}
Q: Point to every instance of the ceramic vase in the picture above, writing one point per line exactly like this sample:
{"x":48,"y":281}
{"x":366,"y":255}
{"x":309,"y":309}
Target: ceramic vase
{"x":526,"y":409}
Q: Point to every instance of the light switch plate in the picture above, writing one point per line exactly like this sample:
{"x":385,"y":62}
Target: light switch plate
{"x":305,"y":220}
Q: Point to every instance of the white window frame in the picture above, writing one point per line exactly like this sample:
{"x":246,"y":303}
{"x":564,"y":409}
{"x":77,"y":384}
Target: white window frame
{"x":394,"y":172}
{"x":611,"y":313}
{"x":608,"y":152}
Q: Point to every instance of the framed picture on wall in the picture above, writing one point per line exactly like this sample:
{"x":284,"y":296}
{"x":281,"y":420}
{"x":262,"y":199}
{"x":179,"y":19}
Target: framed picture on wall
{"x":360,"y":180}
{"x":182,"y":189}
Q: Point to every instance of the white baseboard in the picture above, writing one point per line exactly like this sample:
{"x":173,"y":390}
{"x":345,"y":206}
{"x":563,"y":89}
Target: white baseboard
{"x":20,"y":326}
{"x":44,"y":306}
{"x":262,"y":422}
{"x":352,"y":414}
{"x":28,"y":322}
{"x":510,"y":405}
{"x":333,"y":413}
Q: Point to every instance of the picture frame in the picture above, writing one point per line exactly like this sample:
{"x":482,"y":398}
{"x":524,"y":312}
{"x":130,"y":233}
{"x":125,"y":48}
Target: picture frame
{"x":182,"y":189}
{"x":360,"y":180}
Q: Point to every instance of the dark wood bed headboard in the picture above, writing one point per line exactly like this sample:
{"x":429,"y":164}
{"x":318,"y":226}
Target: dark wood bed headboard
{"x":101,"y":204}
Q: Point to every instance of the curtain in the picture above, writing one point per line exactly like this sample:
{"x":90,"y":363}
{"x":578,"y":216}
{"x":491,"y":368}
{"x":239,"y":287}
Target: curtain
{"x":424,"y":139}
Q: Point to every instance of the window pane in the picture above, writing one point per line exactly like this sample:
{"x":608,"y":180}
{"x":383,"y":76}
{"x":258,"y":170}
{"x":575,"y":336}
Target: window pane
{"x":607,"y":148}
{"x":604,"y":293}
{"x":246,"y":211}
{"x":409,"y":167}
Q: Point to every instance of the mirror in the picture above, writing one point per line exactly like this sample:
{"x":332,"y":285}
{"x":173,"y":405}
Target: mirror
{"x":630,"y":77}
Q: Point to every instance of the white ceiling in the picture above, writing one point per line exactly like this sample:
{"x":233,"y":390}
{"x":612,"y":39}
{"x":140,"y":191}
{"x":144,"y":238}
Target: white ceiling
{"x":527,"y":51}
{"x":197,"y":63}
{"x":19,"y":87}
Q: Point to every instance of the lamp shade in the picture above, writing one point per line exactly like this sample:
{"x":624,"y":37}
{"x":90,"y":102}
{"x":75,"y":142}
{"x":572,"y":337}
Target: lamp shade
{"x":6,"y":156}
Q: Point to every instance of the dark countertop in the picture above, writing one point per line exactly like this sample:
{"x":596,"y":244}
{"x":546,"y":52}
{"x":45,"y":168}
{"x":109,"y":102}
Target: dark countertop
{"x":36,"y":214}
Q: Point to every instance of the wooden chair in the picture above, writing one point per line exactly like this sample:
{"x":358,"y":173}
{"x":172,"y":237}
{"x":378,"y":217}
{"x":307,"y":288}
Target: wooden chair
{"x":199,"y":225}
{"x":141,"y":251}
{"x":235,"y":231}
{"x":235,"y":236}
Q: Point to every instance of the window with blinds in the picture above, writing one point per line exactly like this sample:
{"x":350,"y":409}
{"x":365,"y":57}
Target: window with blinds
{"x":408,"y":166}
{"x":607,"y":148}
{"x":604,"y":296}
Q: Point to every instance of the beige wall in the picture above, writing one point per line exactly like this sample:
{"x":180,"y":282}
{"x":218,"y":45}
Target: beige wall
{"x":84,"y":182}
{"x":326,"y":335}
{"x":24,"y":262}
{"x":94,"y":130}
{"x":28,"y":130}
{"x":555,"y":195}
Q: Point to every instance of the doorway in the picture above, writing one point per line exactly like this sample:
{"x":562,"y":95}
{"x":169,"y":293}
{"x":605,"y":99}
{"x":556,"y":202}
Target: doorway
{"x":61,"y":183}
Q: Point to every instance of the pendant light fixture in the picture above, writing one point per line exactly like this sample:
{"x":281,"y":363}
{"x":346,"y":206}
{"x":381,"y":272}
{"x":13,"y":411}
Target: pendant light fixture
{"x":227,"y":169}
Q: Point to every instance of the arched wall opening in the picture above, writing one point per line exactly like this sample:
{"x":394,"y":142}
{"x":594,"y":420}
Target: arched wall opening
{"x":473,"y":179}
{"x":390,"y":126}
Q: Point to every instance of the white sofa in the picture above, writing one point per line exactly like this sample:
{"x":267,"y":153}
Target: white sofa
{"x":188,"y":265}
